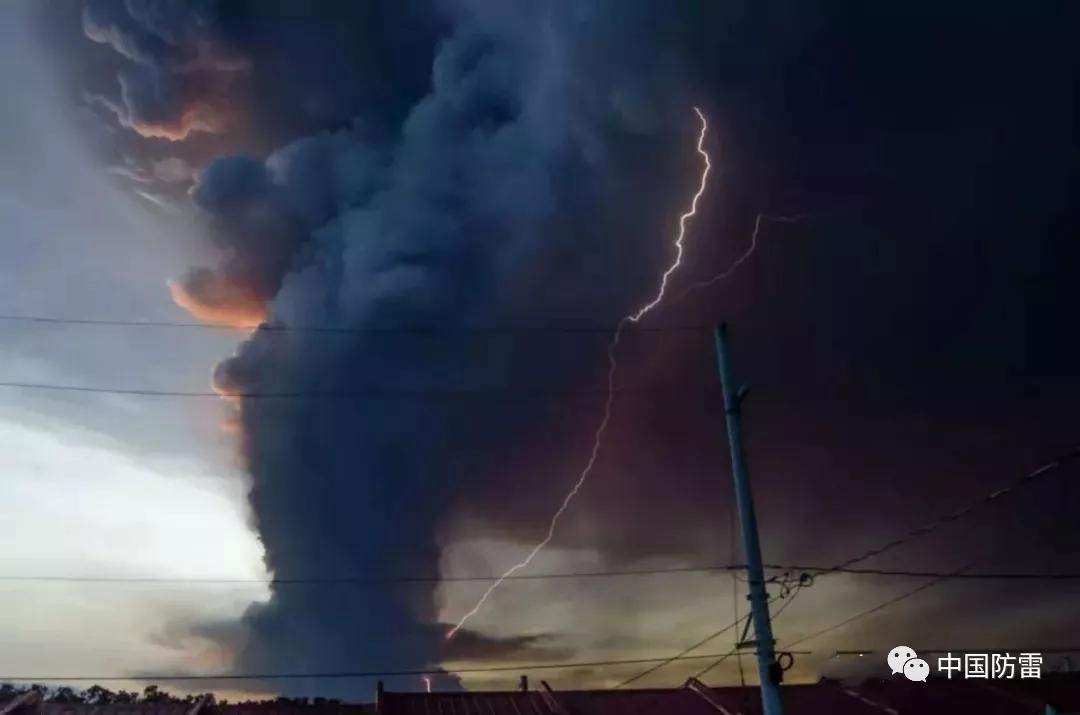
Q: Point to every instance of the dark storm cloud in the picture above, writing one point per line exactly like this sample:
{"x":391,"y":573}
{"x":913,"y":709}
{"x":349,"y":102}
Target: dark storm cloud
{"x":508,"y":161}
{"x":261,"y":214}
{"x":179,"y":67}
{"x":260,"y":71}
{"x":150,"y":33}
{"x":484,"y":649}
{"x":515,"y":165}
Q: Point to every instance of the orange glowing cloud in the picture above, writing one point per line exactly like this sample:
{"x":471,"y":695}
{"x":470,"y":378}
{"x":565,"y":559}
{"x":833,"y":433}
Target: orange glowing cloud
{"x":197,"y":118}
{"x":231,"y":424}
{"x":215,"y":300}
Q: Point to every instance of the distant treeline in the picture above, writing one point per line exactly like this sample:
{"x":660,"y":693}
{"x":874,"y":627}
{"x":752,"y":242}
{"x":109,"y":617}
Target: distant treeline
{"x":98,"y":695}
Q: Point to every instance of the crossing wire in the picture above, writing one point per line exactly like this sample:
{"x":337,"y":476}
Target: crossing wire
{"x":521,"y":668}
{"x":735,"y":651}
{"x":524,"y":667}
{"x":843,"y":567}
{"x":346,"y":330}
{"x":720,"y":657}
{"x":504,"y":393}
{"x":870,"y":611}
{"x":683,"y":653}
{"x":627,"y":573}
{"x":1028,"y":478}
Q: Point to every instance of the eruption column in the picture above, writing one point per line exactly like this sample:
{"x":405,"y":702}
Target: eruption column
{"x":634,"y":317}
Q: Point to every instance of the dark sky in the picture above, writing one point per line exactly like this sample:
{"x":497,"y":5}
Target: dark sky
{"x":457,"y":165}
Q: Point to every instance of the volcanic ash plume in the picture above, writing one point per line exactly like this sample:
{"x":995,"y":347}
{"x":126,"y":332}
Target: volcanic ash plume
{"x":508,"y":187}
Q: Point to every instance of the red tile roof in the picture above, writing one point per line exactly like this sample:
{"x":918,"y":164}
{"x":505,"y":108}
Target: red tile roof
{"x":940,"y":696}
{"x":822,"y":698}
{"x":166,"y":708}
{"x":1061,"y":690}
{"x":873,"y":697}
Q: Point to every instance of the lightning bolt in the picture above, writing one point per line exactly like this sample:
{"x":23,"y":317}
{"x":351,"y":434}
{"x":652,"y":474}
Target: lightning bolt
{"x":427,"y":682}
{"x":601,"y":428}
{"x":746,"y":255}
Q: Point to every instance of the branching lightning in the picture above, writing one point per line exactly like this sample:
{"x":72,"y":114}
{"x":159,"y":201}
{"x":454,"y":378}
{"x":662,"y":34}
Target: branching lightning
{"x":746,"y":254}
{"x":601,"y":428}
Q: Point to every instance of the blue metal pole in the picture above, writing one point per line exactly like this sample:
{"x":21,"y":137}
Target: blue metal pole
{"x":755,"y":574}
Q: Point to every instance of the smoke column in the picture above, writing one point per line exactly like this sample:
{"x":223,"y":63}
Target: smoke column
{"x":439,"y":166}
{"x":601,"y":428}
{"x":452,"y":164}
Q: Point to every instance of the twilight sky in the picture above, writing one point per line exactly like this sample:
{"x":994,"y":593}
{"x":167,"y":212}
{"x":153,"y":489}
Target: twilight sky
{"x":109,"y":485}
{"x":418,"y":173}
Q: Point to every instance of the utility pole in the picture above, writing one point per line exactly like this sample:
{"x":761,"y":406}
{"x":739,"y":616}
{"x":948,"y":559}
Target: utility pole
{"x":768,"y":671}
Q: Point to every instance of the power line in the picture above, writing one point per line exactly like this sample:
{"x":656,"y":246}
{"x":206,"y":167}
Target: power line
{"x":344,"y":330}
{"x":735,"y":650}
{"x":1027,"y":479}
{"x":844,"y":566}
{"x":375,"y":394}
{"x":927,"y":528}
{"x":682,"y":655}
{"x":996,"y":649}
{"x":625,"y":573}
{"x":718,"y":661}
{"x":381,"y":580}
{"x":870,"y":611}
{"x":963,"y":511}
{"x":524,"y":667}
{"x":876,"y":609}
{"x":706,"y":639}
{"x":975,"y":576}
